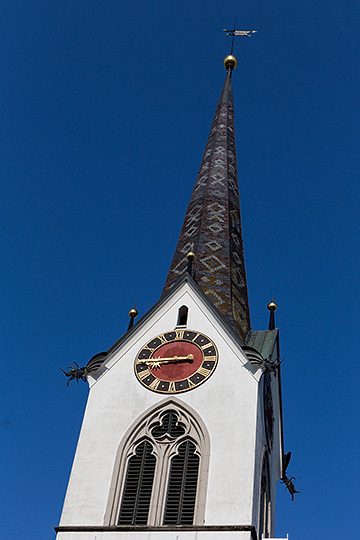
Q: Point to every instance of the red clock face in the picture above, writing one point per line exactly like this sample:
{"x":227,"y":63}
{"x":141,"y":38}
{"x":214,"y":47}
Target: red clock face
{"x":176,"y":361}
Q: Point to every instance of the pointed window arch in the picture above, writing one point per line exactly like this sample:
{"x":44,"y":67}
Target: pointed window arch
{"x":161,"y":469}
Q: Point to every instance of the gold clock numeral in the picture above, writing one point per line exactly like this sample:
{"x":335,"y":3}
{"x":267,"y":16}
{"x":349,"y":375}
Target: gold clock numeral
{"x":206,"y":346}
{"x":210,"y":358}
{"x":154,"y":384}
{"x":203,"y":371}
{"x":143,"y":374}
{"x":163,"y":339}
{"x":179,"y":334}
{"x":191,"y":384}
{"x":171,"y":387}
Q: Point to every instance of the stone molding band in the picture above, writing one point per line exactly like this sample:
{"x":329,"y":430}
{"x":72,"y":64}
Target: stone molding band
{"x":162,"y":528}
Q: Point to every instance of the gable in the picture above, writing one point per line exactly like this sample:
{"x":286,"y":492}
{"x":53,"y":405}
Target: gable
{"x":164,"y":317}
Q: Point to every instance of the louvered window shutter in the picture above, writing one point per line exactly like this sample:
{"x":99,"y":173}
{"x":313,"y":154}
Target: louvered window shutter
{"x":138,"y":486}
{"x":181,"y":493}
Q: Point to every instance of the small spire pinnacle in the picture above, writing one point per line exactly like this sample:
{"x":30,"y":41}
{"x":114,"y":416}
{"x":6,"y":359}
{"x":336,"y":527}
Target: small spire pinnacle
{"x":272,"y":307}
{"x":190,"y":258}
{"x":133,"y":313}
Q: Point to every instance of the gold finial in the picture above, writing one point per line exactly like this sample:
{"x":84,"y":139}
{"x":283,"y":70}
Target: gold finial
{"x":133,"y":312}
{"x":272,"y":306}
{"x":191,"y":255}
{"x":230,"y":62}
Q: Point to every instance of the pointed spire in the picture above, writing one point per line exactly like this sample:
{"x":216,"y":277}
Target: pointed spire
{"x":212,"y":222}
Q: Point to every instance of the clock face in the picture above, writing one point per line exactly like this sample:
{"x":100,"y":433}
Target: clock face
{"x":176,"y":361}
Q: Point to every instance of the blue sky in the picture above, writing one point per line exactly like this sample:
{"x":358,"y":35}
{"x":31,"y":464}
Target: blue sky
{"x":105,"y":111}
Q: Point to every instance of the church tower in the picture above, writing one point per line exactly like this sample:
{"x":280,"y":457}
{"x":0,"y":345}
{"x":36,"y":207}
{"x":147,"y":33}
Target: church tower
{"x":182,"y":436}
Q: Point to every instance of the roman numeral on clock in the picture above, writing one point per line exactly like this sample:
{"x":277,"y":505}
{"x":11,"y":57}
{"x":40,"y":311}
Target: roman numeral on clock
{"x":154,"y":384}
{"x":203,"y":371}
{"x":143,"y":374}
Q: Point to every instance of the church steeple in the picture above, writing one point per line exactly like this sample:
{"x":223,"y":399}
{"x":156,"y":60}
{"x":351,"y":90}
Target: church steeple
{"x":212,"y":223}
{"x":155,"y":437}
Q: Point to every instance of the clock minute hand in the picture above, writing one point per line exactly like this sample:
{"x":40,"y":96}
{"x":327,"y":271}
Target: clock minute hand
{"x":172,"y":359}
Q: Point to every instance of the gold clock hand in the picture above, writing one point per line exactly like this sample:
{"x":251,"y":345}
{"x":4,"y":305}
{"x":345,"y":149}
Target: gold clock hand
{"x":173,"y":359}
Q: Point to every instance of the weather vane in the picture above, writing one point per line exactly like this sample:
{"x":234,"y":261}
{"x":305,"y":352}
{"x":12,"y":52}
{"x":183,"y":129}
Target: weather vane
{"x":234,"y":33}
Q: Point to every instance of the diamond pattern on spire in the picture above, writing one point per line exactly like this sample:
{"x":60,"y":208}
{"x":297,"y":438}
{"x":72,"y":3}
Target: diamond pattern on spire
{"x":212,"y":222}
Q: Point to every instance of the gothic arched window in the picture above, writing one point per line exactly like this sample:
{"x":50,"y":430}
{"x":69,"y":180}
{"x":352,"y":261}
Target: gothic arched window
{"x":161,"y":470}
{"x":265,"y":502}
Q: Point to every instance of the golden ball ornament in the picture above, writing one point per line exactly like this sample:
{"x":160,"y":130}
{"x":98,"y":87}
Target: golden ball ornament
{"x":272,"y":306}
{"x":230,"y":62}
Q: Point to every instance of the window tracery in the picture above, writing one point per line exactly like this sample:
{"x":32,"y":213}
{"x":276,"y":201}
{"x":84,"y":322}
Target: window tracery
{"x":169,"y":426}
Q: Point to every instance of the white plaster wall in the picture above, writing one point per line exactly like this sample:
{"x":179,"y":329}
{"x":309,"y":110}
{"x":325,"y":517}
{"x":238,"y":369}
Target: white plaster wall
{"x":227,"y":403}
